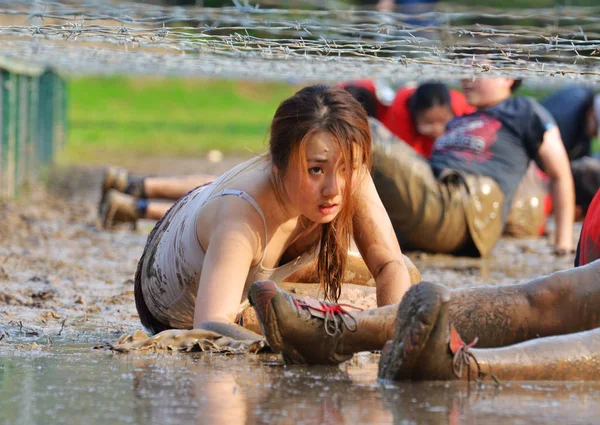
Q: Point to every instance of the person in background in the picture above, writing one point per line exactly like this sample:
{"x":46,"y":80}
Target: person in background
{"x":374,"y":96}
{"x":419,"y":115}
{"x":576,"y":110}
{"x":126,"y":198}
{"x":458,"y":201}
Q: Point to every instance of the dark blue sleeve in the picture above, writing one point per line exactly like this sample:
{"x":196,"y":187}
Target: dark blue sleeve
{"x":538,"y":121}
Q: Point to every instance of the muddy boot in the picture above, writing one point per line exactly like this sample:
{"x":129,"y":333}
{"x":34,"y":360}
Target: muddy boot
{"x":305,"y":332}
{"x":420,"y":349}
{"x":120,"y":180}
{"x":318,"y":332}
{"x":119,"y":208}
{"x":114,"y":178}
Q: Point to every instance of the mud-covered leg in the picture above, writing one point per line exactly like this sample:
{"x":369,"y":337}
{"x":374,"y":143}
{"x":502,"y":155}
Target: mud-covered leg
{"x":423,"y":349}
{"x":558,"y":358}
{"x":560,"y":303}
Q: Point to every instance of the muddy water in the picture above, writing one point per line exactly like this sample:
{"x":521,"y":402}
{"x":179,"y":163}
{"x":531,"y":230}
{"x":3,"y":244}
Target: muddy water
{"x":66,"y":287}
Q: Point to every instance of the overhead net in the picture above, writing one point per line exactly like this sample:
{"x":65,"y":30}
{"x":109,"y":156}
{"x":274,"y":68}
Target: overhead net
{"x":263,"y":42}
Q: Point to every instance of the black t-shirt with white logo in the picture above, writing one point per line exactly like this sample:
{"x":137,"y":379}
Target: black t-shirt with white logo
{"x":497,"y":142}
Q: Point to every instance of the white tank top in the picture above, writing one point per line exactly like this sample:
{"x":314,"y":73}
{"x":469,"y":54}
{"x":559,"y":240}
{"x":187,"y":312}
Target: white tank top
{"x":173,"y":259}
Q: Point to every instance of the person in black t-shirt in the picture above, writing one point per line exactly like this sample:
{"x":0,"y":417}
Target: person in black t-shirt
{"x":459,"y":200}
{"x":576,"y":110}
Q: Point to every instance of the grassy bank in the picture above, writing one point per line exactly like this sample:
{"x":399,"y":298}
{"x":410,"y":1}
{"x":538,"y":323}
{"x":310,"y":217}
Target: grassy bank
{"x":114,"y":118}
{"x":111,"y":117}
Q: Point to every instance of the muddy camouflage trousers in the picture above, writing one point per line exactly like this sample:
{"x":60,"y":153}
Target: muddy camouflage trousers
{"x":453,"y":213}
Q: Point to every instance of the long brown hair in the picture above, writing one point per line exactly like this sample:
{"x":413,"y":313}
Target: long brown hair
{"x":316,"y":109}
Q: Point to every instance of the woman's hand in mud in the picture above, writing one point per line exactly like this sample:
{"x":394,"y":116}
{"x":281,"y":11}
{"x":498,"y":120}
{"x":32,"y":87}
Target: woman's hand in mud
{"x":231,"y":330}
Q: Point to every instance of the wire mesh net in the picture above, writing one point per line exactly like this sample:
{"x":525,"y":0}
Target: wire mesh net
{"x":301,"y":44}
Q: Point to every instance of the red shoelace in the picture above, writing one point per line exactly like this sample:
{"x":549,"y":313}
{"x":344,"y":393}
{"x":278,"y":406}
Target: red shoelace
{"x":336,"y":315}
{"x":462,"y":354}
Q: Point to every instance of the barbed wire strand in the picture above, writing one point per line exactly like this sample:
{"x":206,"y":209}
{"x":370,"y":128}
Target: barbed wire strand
{"x":253,"y":42}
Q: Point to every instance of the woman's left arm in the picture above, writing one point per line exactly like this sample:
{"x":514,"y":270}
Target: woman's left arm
{"x":378,"y":245}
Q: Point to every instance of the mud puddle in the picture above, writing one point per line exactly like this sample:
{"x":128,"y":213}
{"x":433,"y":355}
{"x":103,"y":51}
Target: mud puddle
{"x":66,"y":286}
{"x":74,"y":385}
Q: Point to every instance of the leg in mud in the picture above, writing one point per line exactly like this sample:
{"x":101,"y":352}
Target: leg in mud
{"x":560,"y":303}
{"x":358,"y":290}
{"x":427,"y":347}
{"x":359,"y":293}
{"x":174,"y":188}
{"x":317,"y":332}
{"x":122,"y":208}
{"x":151,"y":187}
{"x":356,"y":272}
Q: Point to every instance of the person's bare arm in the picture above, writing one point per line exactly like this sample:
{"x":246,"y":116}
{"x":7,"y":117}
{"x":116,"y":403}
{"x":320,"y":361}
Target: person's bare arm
{"x":233,"y":245}
{"x":554,"y":158}
{"x":378,"y":245}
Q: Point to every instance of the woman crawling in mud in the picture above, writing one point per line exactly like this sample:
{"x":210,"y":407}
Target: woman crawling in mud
{"x":544,"y":329}
{"x":301,"y":203}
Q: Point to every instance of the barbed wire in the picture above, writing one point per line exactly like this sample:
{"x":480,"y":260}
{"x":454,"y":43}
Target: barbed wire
{"x":248,"y":41}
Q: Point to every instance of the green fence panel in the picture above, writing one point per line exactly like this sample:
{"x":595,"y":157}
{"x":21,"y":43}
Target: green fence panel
{"x":32,"y":119}
{"x":60,"y":112}
{"x":32,"y":123}
{"x":3,"y":136}
{"x":23,"y":131}
{"x":10,"y":84}
{"x":46,"y":114}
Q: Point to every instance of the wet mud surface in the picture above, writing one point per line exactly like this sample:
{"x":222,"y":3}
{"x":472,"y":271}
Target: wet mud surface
{"x":66,"y":287}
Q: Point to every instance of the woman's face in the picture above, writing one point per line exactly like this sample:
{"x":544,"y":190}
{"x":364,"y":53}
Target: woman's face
{"x":318,"y":192}
{"x":432,"y":121}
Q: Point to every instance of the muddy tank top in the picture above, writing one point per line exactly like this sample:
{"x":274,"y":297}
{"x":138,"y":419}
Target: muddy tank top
{"x":172,"y":261}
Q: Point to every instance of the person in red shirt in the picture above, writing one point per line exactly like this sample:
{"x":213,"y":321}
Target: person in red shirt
{"x":419,"y":115}
{"x":370,"y":96}
{"x":588,"y":248}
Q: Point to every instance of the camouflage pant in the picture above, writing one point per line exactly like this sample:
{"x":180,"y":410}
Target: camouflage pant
{"x":527,"y":216}
{"x":454,"y":213}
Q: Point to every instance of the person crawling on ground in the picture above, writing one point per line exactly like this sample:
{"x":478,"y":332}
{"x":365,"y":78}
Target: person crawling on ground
{"x":304,"y":202}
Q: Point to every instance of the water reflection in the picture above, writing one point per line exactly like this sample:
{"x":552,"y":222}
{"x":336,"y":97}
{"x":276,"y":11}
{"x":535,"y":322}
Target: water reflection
{"x":73,"y":387}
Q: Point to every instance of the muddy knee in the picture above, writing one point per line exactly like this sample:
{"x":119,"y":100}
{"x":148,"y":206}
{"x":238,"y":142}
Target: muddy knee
{"x":547,"y":293}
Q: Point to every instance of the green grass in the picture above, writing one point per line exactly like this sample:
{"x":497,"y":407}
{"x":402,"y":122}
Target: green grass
{"x":175,"y":117}
{"x":118,"y":117}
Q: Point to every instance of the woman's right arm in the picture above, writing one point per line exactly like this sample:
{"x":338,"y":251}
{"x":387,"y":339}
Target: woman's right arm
{"x":232,"y":246}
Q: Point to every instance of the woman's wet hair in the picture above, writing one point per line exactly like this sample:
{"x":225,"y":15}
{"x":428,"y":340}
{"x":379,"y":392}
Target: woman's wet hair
{"x":516,"y":84}
{"x":428,"y":95}
{"x":312,"y":110}
{"x":365,"y":97}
